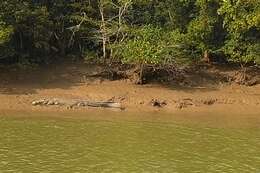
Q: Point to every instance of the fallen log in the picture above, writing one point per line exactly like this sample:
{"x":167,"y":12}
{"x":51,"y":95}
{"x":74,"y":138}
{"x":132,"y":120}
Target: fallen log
{"x":70,"y":103}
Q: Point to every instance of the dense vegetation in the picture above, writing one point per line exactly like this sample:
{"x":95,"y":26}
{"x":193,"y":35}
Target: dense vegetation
{"x":130,"y":31}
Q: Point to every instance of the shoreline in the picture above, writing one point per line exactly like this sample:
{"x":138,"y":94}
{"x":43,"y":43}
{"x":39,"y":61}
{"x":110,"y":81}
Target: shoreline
{"x":218,"y":116}
{"x":19,"y":89}
{"x":233,"y":98}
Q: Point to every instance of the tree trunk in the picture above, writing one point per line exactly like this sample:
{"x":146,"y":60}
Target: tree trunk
{"x":206,"y":57}
{"x":62,"y":48}
{"x":140,"y":79}
{"x":103,"y":29}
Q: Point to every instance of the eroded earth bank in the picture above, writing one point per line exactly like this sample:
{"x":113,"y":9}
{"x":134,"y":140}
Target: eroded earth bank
{"x":206,"y":91}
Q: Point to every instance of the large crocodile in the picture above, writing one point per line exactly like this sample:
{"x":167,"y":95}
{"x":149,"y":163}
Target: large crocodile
{"x":70,"y":103}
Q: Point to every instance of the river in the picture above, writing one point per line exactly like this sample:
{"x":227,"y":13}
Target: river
{"x":51,"y":145}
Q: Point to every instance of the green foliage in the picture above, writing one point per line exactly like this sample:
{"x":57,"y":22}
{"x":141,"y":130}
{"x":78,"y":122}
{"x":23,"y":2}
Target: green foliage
{"x":5,"y":33}
{"x":146,"y":45}
{"x":5,"y":36}
{"x":183,"y":49}
{"x":136,"y":31}
{"x":202,"y":29}
{"x":242,"y":22}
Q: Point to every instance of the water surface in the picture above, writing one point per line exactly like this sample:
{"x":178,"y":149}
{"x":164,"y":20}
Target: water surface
{"x":30,"y":145}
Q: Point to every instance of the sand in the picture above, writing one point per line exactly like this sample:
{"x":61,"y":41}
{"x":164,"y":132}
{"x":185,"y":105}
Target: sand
{"x":19,"y":88}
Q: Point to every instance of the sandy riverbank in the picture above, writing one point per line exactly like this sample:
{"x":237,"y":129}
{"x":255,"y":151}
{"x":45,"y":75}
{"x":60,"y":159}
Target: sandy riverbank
{"x":19,"y":89}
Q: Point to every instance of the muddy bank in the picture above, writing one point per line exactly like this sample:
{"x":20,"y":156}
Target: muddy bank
{"x":204,"y":93}
{"x":147,"y":98}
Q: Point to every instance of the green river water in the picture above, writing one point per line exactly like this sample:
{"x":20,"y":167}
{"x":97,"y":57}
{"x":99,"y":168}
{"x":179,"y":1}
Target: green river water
{"x":63,"y":145}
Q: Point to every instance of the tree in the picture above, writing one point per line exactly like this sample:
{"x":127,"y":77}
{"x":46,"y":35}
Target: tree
{"x":204,"y":28}
{"x":146,"y":45}
{"x":242,"y":22}
{"x":5,"y":36}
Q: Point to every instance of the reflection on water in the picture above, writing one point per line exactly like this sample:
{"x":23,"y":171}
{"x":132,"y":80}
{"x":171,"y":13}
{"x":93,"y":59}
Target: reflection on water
{"x":51,"y":145}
